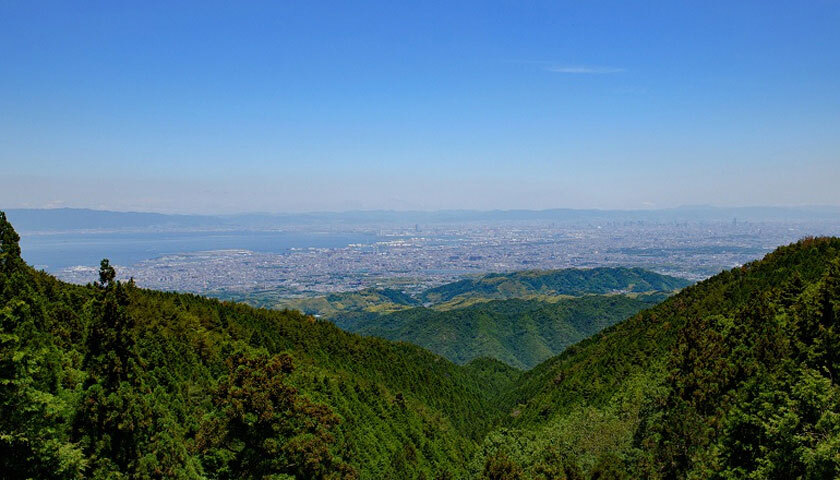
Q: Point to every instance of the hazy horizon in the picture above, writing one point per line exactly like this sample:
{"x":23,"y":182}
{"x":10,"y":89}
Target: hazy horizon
{"x":651,"y":209}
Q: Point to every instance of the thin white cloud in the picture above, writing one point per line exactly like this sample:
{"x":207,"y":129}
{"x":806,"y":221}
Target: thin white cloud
{"x":583,"y":69}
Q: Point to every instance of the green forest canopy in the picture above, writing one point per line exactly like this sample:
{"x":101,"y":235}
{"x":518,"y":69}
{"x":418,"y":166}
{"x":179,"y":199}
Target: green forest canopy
{"x":730,"y":378}
{"x":521,"y":333}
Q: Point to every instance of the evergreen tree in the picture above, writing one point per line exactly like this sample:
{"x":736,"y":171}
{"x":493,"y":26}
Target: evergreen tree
{"x":113,"y":411}
{"x":266,"y":428}
{"x":9,"y":247}
{"x":33,"y":414}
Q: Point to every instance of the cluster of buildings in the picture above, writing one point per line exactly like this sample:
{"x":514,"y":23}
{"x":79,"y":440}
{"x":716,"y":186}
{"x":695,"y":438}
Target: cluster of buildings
{"x":414,"y":258}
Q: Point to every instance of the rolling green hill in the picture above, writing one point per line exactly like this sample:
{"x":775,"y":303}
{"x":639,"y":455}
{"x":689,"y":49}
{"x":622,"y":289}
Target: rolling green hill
{"x":520,"y":333}
{"x":519,"y":318}
{"x":735,"y":377}
{"x":565,"y":282}
{"x":369,"y":300}
{"x":542,"y":285}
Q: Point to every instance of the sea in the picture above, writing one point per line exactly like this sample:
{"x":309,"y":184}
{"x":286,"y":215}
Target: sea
{"x":55,"y":251}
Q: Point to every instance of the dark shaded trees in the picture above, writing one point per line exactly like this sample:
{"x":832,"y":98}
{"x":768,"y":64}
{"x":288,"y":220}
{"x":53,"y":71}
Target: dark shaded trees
{"x":124,"y":421}
{"x":33,"y":412}
{"x":264,"y":427}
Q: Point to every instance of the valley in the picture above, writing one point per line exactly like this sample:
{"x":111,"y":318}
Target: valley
{"x":378,"y":240}
{"x":673,"y":391}
{"x":519,"y":318}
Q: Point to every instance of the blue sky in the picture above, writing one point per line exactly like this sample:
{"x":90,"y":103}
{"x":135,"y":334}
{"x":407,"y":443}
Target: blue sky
{"x":295,"y":106}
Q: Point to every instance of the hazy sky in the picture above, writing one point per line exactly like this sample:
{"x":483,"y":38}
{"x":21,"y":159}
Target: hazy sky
{"x":294,"y":106}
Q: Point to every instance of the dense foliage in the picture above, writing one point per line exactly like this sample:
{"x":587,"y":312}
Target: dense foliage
{"x":112,"y":381}
{"x":734,"y":377}
{"x":521,"y":333}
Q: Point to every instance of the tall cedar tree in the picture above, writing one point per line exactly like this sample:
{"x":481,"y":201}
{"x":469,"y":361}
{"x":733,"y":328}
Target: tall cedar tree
{"x":266,"y":428}
{"x":33,"y":416}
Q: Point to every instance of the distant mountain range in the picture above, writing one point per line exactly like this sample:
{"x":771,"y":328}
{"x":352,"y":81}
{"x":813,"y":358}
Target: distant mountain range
{"x":82,"y":219}
{"x":70,"y":219}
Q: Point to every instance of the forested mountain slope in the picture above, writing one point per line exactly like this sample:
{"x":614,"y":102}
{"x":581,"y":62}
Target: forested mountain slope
{"x":113,"y":381}
{"x":734,"y":377}
{"x":520,"y":318}
{"x":521,"y":333}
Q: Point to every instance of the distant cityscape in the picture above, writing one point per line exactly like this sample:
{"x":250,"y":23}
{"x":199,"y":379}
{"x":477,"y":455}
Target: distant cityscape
{"x":414,"y":257}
